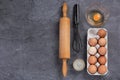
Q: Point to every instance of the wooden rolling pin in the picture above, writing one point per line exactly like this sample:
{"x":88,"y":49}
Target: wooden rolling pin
{"x":64,"y":39}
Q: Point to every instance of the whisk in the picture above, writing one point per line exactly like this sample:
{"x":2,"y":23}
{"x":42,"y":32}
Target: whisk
{"x":76,"y":45}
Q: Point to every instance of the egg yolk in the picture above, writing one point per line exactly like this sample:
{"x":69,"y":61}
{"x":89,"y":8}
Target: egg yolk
{"x":97,"y":17}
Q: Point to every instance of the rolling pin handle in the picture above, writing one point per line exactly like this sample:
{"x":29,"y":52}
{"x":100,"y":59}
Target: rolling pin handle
{"x":64,"y":67}
{"x":64,"y":9}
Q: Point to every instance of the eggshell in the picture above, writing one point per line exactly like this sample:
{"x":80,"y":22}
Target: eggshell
{"x":92,"y":69}
{"x":101,"y":33}
{"x":102,"y":42}
{"x":92,"y":41}
{"x":102,"y":69}
{"x":102,"y":50}
{"x":92,"y":50}
{"x":92,"y":59}
{"x":102,"y":60}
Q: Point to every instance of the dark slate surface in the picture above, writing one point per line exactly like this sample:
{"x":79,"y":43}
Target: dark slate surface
{"x":29,"y":40}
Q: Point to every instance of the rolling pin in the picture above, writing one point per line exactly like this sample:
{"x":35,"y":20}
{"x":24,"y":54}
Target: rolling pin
{"x":64,"y":39}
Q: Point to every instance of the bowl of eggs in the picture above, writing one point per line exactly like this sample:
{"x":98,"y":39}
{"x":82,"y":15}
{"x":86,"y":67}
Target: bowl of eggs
{"x":97,"y":51}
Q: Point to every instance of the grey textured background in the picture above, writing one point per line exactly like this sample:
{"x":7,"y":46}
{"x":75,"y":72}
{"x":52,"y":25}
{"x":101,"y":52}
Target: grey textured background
{"x":29,"y":40}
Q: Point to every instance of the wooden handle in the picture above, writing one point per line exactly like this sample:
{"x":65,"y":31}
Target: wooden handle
{"x":64,"y":67}
{"x":64,"y":9}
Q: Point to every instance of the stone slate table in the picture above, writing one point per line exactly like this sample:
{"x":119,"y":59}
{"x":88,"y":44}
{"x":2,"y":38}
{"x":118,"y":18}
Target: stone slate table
{"x":29,"y":40}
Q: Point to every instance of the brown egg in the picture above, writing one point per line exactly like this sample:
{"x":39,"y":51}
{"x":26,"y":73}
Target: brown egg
{"x":92,"y":59}
{"x":92,"y":69}
{"x":101,"y":33}
{"x":102,"y":50}
{"x":102,"y":60}
{"x":92,"y":41}
{"x":102,"y":69}
{"x":102,"y":42}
